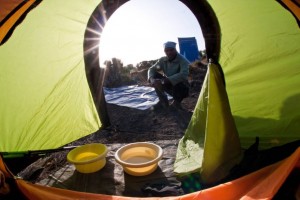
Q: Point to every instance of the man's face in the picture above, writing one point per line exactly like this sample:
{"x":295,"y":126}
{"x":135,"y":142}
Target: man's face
{"x":170,"y":53}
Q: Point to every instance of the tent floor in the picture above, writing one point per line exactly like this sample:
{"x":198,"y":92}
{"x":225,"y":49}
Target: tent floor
{"x":164,"y":127}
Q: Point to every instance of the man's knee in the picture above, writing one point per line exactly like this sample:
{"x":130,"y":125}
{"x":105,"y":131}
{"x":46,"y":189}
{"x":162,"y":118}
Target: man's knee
{"x":180,"y":92}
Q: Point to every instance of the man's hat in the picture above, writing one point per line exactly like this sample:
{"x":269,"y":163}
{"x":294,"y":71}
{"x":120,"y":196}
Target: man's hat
{"x":170,"y":44}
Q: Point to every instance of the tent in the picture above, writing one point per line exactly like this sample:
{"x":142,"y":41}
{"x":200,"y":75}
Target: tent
{"x":51,"y":93}
{"x":189,"y":49}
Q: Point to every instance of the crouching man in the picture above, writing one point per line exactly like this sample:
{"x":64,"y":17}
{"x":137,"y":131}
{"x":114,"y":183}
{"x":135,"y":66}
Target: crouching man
{"x":170,"y":74}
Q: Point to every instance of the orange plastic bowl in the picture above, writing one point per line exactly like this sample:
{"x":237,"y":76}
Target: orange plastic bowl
{"x":139,"y":159}
{"x":88,"y":158}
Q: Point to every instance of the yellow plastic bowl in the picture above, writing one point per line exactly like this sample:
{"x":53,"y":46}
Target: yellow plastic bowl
{"x":139,"y":159}
{"x":88,"y":158}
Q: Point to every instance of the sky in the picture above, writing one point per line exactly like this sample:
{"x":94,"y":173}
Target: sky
{"x":137,"y":30}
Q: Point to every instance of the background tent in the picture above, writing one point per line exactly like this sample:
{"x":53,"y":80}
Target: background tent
{"x":45,"y":97}
{"x":189,"y":49}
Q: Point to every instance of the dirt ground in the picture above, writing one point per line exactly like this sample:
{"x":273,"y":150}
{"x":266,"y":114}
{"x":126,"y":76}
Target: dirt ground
{"x":149,"y":124}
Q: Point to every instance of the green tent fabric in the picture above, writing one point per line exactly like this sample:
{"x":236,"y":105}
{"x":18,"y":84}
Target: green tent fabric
{"x":211,"y":143}
{"x":260,"y":59}
{"x":45,"y":97}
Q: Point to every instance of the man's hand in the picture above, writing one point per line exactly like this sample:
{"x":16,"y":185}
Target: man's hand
{"x":156,"y":83}
{"x":166,"y":81}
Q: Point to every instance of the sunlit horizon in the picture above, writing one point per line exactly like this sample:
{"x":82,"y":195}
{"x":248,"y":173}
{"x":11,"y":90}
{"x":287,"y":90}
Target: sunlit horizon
{"x":137,"y":30}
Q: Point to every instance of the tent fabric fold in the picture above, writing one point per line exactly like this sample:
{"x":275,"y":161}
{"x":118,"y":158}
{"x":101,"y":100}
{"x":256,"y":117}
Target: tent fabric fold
{"x":211,"y":143}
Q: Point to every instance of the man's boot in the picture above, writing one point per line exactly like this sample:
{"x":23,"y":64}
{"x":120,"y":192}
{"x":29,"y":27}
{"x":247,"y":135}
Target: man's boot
{"x":177,"y":105}
{"x":163,"y":101}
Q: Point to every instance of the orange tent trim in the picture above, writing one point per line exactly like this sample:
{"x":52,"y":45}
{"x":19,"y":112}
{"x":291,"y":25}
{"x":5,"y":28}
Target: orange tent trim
{"x":294,"y":8}
{"x":4,"y":29}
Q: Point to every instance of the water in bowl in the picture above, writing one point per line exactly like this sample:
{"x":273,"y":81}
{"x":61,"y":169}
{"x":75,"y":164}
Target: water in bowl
{"x":138,"y":159}
{"x":86,"y":156}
